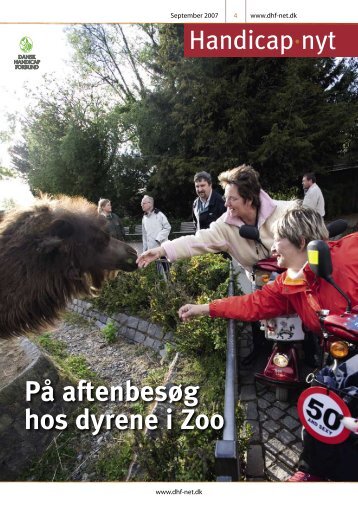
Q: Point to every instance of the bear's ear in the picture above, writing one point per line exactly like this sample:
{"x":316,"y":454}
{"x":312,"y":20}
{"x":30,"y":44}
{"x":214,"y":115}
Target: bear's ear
{"x":61,"y":229}
{"x":49,"y":244}
{"x":58,"y":231}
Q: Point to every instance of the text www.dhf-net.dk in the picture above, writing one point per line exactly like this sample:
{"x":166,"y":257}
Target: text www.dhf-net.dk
{"x":274,"y":15}
{"x":179,"y":491}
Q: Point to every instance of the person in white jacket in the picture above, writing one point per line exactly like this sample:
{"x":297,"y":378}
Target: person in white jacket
{"x":155,"y":225}
{"x":313,"y":194}
{"x":155,"y":231}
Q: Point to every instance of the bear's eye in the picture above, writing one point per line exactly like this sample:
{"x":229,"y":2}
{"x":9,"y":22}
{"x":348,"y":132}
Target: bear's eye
{"x":99,"y":239}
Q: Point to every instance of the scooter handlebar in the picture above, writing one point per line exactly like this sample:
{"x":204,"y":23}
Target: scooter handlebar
{"x":337,"y":227}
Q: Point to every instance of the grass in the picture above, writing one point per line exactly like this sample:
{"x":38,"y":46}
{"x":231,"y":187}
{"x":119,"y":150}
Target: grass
{"x":75,"y":319}
{"x":57,"y":349}
{"x":112,"y":460}
{"x":59,"y":461}
{"x":72,"y":367}
{"x":113,"y":463}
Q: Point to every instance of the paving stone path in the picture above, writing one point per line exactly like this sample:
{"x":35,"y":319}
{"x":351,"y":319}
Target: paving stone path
{"x":276,"y":442}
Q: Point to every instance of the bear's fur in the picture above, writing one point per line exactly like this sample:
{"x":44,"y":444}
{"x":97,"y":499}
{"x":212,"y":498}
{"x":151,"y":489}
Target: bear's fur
{"x":50,"y":253}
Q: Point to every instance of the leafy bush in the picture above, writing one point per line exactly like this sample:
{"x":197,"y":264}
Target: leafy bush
{"x":144,"y":293}
{"x":128,"y":292}
{"x":188,"y":455}
{"x":184,"y":455}
{"x":113,"y":463}
{"x":109,"y":332}
{"x":291,"y":193}
{"x":201,"y":274}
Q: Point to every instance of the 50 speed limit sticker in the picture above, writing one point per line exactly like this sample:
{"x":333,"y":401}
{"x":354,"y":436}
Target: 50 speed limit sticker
{"x":320,"y":412}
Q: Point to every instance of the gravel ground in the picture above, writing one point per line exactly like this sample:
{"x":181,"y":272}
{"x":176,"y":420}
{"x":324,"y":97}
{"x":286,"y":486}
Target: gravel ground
{"x":115,"y":364}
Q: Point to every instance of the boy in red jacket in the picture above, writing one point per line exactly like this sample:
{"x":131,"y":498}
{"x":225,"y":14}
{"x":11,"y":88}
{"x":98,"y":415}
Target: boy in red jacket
{"x":298,"y":289}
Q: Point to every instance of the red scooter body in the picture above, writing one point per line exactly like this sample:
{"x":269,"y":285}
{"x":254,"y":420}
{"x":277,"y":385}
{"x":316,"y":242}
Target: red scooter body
{"x":286,"y":376}
{"x":343,"y":326}
{"x":282,"y":368}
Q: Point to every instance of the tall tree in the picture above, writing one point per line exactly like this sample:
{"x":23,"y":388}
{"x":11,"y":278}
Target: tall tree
{"x":73,"y":142}
{"x":286,"y":116}
{"x":115,"y":56}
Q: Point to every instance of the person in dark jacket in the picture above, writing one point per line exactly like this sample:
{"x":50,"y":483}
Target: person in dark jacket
{"x":209,"y":205}
{"x":114,"y":224}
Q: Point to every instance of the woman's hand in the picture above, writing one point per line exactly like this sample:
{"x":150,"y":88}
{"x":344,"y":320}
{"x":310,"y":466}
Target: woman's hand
{"x":149,"y":256}
{"x":190,"y":311}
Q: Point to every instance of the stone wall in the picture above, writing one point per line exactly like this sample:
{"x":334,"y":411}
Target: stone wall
{"x":132,"y":328}
{"x":21,"y":361}
{"x":137,"y":330}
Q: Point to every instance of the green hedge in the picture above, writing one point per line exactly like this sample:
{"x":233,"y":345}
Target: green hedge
{"x":145,"y":294}
{"x":178,"y":455}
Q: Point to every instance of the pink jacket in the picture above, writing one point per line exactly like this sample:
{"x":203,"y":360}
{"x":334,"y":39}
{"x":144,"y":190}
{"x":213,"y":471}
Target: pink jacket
{"x":223,"y":235}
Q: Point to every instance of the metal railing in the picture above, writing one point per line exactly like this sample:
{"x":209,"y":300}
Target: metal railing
{"x":163,"y":268}
{"x":227,"y":463}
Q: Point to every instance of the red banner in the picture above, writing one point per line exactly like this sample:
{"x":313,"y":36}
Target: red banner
{"x":270,"y":40}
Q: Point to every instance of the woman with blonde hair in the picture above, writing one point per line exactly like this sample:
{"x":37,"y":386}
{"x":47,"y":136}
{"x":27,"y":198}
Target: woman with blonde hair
{"x":114,"y":224}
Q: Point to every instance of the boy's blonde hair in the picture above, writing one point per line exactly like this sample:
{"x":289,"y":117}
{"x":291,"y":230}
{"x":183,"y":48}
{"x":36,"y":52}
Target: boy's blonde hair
{"x":301,"y":223}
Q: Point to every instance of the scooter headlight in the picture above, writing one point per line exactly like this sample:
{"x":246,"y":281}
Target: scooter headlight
{"x":280,"y":360}
{"x":265,"y":278}
{"x":339,"y":349}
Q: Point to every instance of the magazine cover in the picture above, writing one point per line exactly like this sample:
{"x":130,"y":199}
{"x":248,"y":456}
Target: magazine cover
{"x":178,"y":251}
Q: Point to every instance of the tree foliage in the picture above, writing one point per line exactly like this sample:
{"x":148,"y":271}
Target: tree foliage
{"x":73,"y":146}
{"x":142,"y":117}
{"x":114,"y":55}
{"x":285,"y":116}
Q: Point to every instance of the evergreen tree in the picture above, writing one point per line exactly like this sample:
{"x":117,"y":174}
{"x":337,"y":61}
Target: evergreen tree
{"x":144,"y":118}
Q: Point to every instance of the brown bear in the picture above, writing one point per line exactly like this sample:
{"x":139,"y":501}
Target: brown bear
{"x":53,"y":251}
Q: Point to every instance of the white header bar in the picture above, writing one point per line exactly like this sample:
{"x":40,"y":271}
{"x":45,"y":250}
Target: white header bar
{"x":182,"y":11}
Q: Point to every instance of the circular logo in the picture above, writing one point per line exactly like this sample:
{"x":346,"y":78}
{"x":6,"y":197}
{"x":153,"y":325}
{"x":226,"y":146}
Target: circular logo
{"x":321,"y":412}
{"x":26,"y":44}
